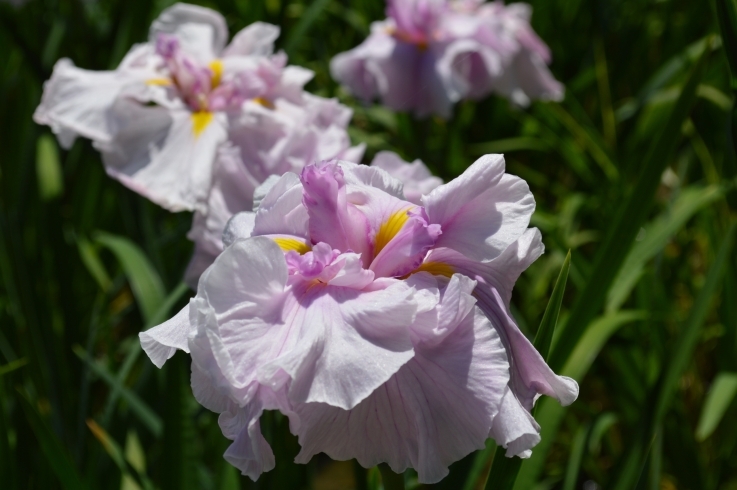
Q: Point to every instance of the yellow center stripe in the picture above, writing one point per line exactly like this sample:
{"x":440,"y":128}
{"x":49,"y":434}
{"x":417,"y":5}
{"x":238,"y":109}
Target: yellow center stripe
{"x":389,"y":229}
{"x":200,"y":121}
{"x":287,"y":244}
{"x":164,"y":82}
{"x":216,"y":66}
{"x":264,"y":102}
{"x":436,"y":269}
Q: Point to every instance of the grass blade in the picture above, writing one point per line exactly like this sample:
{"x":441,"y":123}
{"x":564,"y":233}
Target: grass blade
{"x":48,"y":168}
{"x":143,"y":278}
{"x":52,"y":448}
{"x":147,"y":416}
{"x":657,"y":235}
{"x":576,"y":457}
{"x":113,"y":449}
{"x":662,"y":395}
{"x":504,"y":470}
{"x":544,"y":336}
{"x":178,"y":460}
{"x":135,"y":348}
{"x":727,"y":16}
{"x":479,"y":464}
{"x":389,"y":479}
{"x":627,"y":222}
{"x":92,"y":262}
{"x":550,"y":414}
{"x":721,"y":394}
{"x":304,"y":24}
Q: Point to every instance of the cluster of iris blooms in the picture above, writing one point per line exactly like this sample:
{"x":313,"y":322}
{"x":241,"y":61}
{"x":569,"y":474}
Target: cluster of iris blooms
{"x":367,"y":303}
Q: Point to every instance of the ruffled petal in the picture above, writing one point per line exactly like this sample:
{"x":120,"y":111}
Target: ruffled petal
{"x":438,"y":408}
{"x":281,"y":210}
{"x":161,"y":342}
{"x":166,"y":156}
{"x":76,"y":102}
{"x":331,"y":219}
{"x":405,"y":251}
{"x":231,"y":192}
{"x":467,"y":69}
{"x":250,"y":452}
{"x":531,"y":375}
{"x":514,"y":428}
{"x":360,"y":68}
{"x":347,"y":344}
{"x":202,"y":32}
{"x":483,"y":211}
{"x":255,"y":40}
{"x":415,"y":177}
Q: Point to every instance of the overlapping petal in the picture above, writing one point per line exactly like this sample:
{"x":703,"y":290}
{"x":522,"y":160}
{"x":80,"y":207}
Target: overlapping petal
{"x":342,"y":305}
{"x":430,"y":54}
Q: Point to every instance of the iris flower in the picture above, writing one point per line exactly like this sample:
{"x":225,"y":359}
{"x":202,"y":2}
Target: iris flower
{"x":429,"y":54}
{"x":195,"y":125}
{"x":379,"y":326}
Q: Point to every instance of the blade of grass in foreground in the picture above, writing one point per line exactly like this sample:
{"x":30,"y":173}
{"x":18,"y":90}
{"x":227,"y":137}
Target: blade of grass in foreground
{"x":550,"y":414}
{"x":504,"y":470}
{"x":627,"y":222}
{"x":660,"y":398}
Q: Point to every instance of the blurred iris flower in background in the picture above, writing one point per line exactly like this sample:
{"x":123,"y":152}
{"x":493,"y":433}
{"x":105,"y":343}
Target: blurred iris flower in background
{"x":429,"y":54}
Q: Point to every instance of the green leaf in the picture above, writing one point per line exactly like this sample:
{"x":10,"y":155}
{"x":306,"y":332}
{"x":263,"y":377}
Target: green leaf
{"x":504,"y":470}
{"x":52,"y":448}
{"x":662,"y":394}
{"x":588,"y":137}
{"x":727,"y":17}
{"x":12,"y":366}
{"x":665,"y":75}
{"x":549,"y":414}
{"x":545,"y":332}
{"x":178,"y":461}
{"x":509,"y":145}
{"x":92,"y":262}
{"x":627,"y":222}
{"x":144,"y":413}
{"x":578,"y":450}
{"x":721,"y":394}
{"x":304,"y":24}
{"x":143,"y":278}
{"x":48,"y":168}
{"x":389,"y":479}
{"x":135,"y":348}
{"x":130,"y":473}
{"x":479,"y":463}
{"x":656,"y":236}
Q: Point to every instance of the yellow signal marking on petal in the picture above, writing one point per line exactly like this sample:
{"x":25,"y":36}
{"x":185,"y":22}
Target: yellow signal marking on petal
{"x":200,"y":121}
{"x":287,"y":244}
{"x":436,"y":269}
{"x":389,"y":229}
{"x":163,"y":82}
{"x":264,"y":102}
{"x":217,"y":72}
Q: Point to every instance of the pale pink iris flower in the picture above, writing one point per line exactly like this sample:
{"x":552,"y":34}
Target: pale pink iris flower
{"x":194,"y":124}
{"x":429,"y":54}
{"x":227,"y":195}
{"x":379,"y":326}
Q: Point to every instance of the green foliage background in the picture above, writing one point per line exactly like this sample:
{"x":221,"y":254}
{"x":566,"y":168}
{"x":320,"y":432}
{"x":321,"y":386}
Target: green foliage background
{"x":648,"y":323}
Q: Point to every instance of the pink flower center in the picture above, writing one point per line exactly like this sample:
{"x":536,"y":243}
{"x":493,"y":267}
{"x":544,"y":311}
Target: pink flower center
{"x":203,"y":87}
